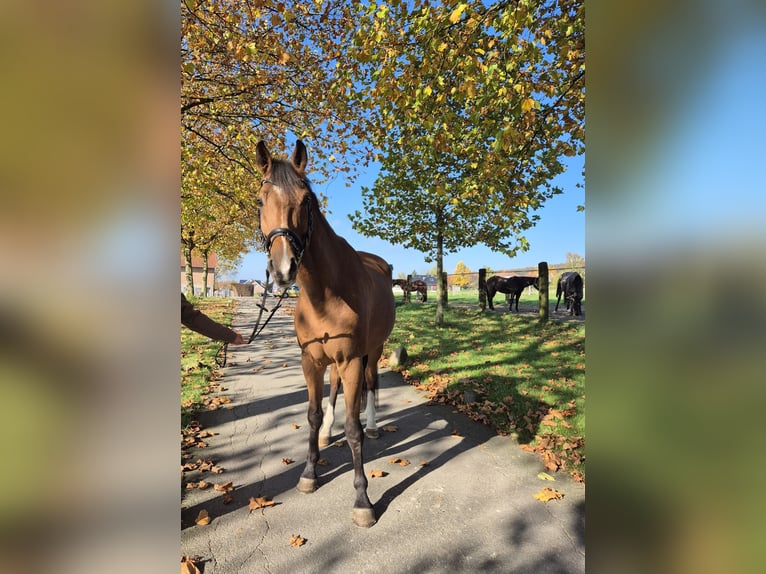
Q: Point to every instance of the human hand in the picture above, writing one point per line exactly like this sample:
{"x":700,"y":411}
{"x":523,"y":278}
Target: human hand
{"x":238,"y":340}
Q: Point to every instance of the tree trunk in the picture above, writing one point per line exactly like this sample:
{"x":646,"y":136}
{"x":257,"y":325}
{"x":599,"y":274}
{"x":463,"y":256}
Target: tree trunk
{"x":440,"y":295}
{"x":204,"y":273}
{"x":188,"y":245}
{"x":542,"y":273}
{"x":408,"y":289}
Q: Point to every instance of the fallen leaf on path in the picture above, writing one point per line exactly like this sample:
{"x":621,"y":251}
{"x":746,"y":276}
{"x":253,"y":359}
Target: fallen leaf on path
{"x":377,"y":474}
{"x":286,"y":460}
{"x":456,"y":434}
{"x":296,"y":540}
{"x":256,"y":503}
{"x":228,"y":499}
{"x":295,"y":426}
{"x":577,"y":476}
{"x":189,"y":566}
{"x":424,"y":463}
{"x":547,"y":494}
{"x":544,"y":476}
{"x":203,"y":485}
{"x":203,"y":518}
{"x":225,"y":488}
{"x":322,"y":462}
{"x":284,"y":365}
{"x":390,"y":428}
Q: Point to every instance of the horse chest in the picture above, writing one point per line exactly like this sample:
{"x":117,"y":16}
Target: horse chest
{"x":327,"y":336}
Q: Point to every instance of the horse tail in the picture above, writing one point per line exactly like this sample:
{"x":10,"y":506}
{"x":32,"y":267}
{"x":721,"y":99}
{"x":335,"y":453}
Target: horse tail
{"x":425,"y":294}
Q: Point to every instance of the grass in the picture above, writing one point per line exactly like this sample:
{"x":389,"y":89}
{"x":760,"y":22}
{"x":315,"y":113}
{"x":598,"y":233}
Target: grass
{"x":504,"y":370}
{"x":198,"y":356}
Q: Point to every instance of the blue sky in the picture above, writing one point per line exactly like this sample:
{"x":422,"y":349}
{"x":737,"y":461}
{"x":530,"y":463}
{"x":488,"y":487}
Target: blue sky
{"x":561,"y":229}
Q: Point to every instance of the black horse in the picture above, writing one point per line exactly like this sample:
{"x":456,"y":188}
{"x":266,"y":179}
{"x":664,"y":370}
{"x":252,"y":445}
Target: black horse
{"x":510,"y":285}
{"x":570,"y":285}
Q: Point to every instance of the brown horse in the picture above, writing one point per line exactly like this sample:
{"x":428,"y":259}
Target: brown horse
{"x":419,"y":286}
{"x":343,"y":314}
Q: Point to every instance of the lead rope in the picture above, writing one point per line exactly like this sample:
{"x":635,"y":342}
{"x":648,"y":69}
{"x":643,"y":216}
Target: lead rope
{"x":221,"y":362}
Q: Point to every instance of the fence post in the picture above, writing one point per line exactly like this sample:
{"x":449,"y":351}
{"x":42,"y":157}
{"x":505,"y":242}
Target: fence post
{"x":483,"y":288}
{"x":407,"y":291}
{"x":542,"y":274}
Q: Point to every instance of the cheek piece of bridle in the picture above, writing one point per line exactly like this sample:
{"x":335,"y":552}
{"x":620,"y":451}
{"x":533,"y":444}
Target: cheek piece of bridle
{"x":298,"y":246}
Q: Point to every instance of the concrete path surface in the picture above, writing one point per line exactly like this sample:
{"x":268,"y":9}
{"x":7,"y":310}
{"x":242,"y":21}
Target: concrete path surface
{"x":469,"y":508}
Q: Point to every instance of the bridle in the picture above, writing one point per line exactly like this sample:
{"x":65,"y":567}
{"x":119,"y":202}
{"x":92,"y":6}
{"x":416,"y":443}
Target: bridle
{"x":297,"y":244}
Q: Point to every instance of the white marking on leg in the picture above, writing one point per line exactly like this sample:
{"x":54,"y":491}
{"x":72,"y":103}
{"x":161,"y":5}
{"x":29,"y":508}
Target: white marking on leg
{"x":329,"y":419}
{"x":369,"y":413}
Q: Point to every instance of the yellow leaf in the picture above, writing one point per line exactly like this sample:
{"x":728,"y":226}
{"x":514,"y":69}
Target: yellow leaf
{"x":527,"y":104}
{"x":203,"y":518}
{"x":547,"y":494}
{"x":544,"y":476}
{"x":457,"y":13}
{"x":427,"y":90}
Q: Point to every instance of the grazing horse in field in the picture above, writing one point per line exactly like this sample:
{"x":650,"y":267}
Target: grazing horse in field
{"x":510,"y":285}
{"x":570,"y":285}
{"x":417,"y":285}
{"x":344,"y":312}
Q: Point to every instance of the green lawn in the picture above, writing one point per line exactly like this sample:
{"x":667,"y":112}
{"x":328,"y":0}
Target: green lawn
{"x":505,"y":370}
{"x":198,"y":356}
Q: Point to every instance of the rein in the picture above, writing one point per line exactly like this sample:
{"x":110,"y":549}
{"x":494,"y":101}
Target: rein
{"x":256,"y":331}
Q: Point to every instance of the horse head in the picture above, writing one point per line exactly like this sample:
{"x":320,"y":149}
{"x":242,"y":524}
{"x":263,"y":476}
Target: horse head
{"x":285,"y":202}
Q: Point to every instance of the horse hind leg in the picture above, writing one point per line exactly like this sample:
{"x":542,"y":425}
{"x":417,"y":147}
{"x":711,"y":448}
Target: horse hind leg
{"x":325,"y":432}
{"x":370,"y":393}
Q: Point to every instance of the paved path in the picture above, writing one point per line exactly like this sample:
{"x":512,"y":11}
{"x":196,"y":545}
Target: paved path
{"x":470,"y":509}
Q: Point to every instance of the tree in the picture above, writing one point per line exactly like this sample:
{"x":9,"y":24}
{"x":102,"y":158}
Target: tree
{"x":252,"y":70}
{"x":461,"y":275}
{"x":576,"y":262}
{"x":474,"y":108}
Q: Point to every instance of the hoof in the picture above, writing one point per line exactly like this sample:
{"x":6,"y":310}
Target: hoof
{"x":324,"y":440}
{"x":307,"y":485}
{"x":371,"y":433}
{"x":364,"y":517}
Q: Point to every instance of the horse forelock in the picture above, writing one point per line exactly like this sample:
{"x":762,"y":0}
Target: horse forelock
{"x":284,"y":176}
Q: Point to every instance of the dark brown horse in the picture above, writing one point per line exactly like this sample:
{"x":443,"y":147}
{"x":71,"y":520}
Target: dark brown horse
{"x":419,"y":286}
{"x":343,"y":315}
{"x":510,"y":285}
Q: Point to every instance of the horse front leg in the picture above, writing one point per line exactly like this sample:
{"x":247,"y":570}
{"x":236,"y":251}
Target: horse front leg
{"x":353,"y":385}
{"x":314,"y":375}
{"x":325,"y":432}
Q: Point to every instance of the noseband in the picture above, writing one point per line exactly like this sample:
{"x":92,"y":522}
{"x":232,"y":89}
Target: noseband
{"x":297,"y":244}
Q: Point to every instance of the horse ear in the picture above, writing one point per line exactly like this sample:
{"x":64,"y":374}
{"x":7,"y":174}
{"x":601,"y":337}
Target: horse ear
{"x":300,"y":157}
{"x":262,"y":157}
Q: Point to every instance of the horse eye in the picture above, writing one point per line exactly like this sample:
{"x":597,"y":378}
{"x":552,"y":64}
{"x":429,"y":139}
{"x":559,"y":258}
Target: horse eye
{"x":259,"y":202}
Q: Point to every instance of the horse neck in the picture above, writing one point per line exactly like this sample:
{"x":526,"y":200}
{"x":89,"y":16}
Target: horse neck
{"x":324,"y":258}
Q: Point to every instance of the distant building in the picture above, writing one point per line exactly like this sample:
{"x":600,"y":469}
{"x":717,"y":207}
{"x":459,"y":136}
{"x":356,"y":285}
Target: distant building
{"x":197,"y":261}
